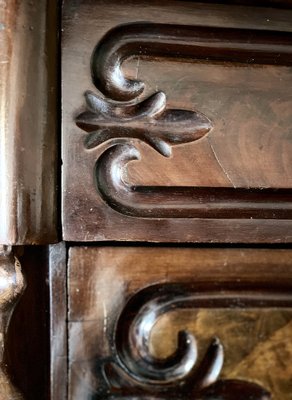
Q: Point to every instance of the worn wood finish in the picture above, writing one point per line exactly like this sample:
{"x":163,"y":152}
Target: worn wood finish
{"x":12,"y":285}
{"x":28,"y":119}
{"x":127,"y":305}
{"x":58,"y":318}
{"x":209,"y":85}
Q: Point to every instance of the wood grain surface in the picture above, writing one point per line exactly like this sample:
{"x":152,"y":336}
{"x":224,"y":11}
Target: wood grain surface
{"x":58,"y":321}
{"x":246,"y":101}
{"x":255,"y":331}
{"x":28,"y":121}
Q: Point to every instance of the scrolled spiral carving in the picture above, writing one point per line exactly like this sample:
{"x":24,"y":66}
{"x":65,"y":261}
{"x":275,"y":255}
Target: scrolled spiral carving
{"x":135,"y":372}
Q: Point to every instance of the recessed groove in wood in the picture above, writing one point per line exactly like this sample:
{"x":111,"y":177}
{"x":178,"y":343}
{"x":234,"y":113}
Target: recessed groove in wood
{"x":180,"y":323}
{"x":180,"y":42}
{"x":106,"y":122}
{"x":209,"y":97}
{"x":183,"y":202}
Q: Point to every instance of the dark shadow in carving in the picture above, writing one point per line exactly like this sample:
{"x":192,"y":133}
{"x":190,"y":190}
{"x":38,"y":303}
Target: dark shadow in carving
{"x":135,"y":372}
{"x":180,"y":42}
{"x":180,"y":201}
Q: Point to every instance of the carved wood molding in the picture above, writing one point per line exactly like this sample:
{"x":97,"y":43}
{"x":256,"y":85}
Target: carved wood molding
{"x":12,"y":285}
{"x":28,"y":122}
{"x":180,"y":323}
{"x":150,"y":120}
{"x":182,"y":202}
{"x":135,"y":373}
{"x":180,"y":42}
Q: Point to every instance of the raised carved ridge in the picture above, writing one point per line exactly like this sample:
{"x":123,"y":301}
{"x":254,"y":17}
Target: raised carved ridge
{"x":150,"y":121}
{"x":180,"y":201}
{"x":180,"y":41}
{"x":135,"y":373}
{"x":12,"y":285}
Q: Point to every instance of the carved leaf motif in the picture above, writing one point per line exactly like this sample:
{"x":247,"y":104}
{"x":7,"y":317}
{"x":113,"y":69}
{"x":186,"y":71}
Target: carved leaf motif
{"x":147,"y":120}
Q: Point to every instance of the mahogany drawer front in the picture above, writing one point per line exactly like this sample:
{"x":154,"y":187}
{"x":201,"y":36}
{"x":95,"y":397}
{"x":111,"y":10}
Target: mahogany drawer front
{"x":232,"y":307}
{"x":178,"y":128}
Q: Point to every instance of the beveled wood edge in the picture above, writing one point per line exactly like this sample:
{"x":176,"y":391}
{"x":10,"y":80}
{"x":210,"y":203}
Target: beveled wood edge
{"x":28,"y":122}
{"x":187,"y":231}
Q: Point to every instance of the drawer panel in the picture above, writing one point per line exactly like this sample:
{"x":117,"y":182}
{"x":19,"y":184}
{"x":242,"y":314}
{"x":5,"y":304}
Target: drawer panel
{"x":178,"y":128}
{"x":172,"y":323}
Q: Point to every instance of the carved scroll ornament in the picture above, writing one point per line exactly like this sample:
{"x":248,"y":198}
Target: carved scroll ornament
{"x":135,"y":374}
{"x":151,"y":121}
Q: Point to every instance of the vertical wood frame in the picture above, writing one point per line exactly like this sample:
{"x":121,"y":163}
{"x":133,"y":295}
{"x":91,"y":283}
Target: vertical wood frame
{"x":28,"y":121}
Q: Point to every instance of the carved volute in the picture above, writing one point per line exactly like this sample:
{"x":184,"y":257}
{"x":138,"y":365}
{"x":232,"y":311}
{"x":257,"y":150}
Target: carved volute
{"x":12,"y":285}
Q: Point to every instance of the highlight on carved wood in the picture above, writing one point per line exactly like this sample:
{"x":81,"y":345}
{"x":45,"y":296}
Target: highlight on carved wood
{"x":12,"y":285}
{"x":135,"y":373}
{"x":149,"y":120}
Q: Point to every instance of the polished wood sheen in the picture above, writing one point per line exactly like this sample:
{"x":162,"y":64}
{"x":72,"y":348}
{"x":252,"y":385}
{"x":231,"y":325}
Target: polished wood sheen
{"x":28,"y":121}
{"x":179,"y":323}
{"x":184,"y":132}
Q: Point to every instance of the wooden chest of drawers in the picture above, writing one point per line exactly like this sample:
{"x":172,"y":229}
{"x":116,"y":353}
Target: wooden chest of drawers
{"x":146,"y":149}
